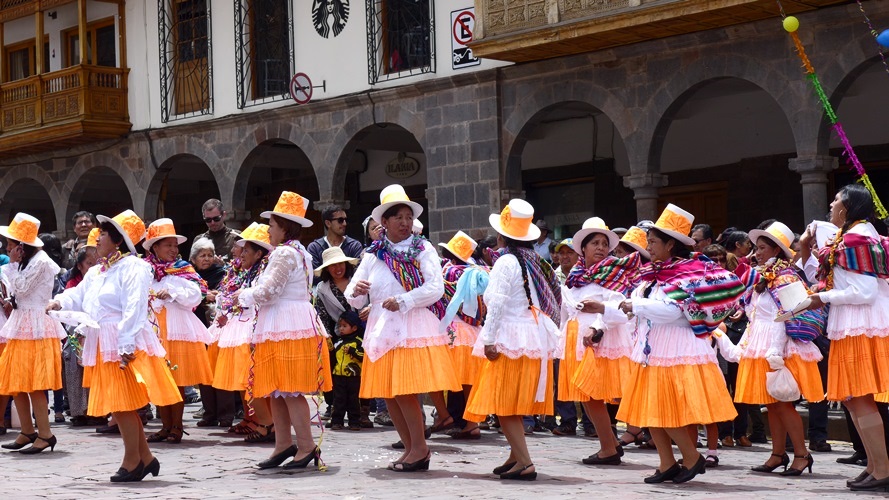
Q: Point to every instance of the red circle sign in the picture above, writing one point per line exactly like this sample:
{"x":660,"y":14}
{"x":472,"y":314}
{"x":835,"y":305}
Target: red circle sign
{"x":301,"y":88}
{"x":462,"y":29}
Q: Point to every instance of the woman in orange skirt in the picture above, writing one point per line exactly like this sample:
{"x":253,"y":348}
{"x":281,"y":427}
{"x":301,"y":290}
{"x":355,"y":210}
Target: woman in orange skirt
{"x":519,"y":338}
{"x":176,"y":290}
{"x":405,"y":353}
{"x":598,"y":337}
{"x":31,"y":362}
{"x":766,"y":345}
{"x":852,"y":277}
{"x":675,"y":380}
{"x":124,"y":356}
{"x":290,"y":356}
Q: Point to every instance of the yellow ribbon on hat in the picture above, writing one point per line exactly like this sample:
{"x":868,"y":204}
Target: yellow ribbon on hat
{"x":160,"y":231}
{"x":636,"y":236}
{"x":93,"y":237}
{"x":780,"y":236}
{"x":461,"y":247}
{"x":24,"y":230}
{"x":291,"y":204}
{"x":131,"y":224}
{"x":398,"y":195}
{"x":514,"y":226}
{"x":672,"y":221}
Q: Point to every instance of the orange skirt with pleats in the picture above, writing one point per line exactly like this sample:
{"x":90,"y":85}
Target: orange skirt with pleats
{"x":190,"y":364}
{"x":568,"y":367}
{"x":212,"y":355}
{"x":751,"y":384}
{"x":409,"y":370}
{"x":466,"y":366}
{"x":507,"y":387}
{"x":31,"y":366}
{"x":232,"y":368}
{"x":291,"y":366}
{"x":675,"y":396}
{"x":601,"y":379}
{"x":143,"y":380}
{"x":857,"y":366}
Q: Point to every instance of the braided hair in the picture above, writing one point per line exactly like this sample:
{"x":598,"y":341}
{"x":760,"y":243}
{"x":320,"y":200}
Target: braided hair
{"x":512,"y":246}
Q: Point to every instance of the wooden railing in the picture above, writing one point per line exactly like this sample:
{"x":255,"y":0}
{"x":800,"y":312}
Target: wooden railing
{"x":78,"y":92}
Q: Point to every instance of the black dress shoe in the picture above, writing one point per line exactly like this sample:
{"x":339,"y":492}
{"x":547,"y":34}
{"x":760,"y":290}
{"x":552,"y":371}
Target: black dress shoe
{"x":504,"y":468}
{"x":857,"y":479}
{"x":597,"y":460}
{"x":18,"y":446}
{"x":852,"y":460}
{"x":820,"y":446}
{"x":518,"y":476}
{"x":34,"y":449}
{"x":302,"y":463}
{"x":125,"y":476}
{"x":660,"y":477}
{"x":153,"y":468}
{"x":700,"y":467}
{"x":278,"y":459}
{"x":108,"y":429}
{"x":871,"y":483}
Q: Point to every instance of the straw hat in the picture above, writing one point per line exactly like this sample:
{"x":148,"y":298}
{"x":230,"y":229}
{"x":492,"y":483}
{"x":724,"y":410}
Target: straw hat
{"x":515,"y":221}
{"x":333,"y":255}
{"x":93,"y":237}
{"x":567,"y":242}
{"x":393,"y":195}
{"x":161,"y":229}
{"x":258,"y":234}
{"x":777,"y":232}
{"x":677,"y":223}
{"x":290,"y":206}
{"x":637,"y":239}
{"x":461,"y":245}
{"x":23,"y":228}
{"x":129,"y":225}
{"x":590,"y":226}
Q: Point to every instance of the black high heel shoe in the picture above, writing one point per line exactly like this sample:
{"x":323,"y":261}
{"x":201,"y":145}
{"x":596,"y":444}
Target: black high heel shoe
{"x":153,"y":468}
{"x":660,"y":477}
{"x":504,"y":468}
{"x":517,"y":475}
{"x":700,"y":467}
{"x":785,"y":461}
{"x":33,"y":450}
{"x":798,"y":472}
{"x":278,"y":459}
{"x":304,"y":462}
{"x":422,"y":464}
{"x":18,"y":446}
{"x":126,"y":476}
{"x":637,"y":439}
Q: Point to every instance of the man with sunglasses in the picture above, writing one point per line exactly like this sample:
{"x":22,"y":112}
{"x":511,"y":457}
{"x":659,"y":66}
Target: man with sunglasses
{"x":335,"y":223}
{"x":222,"y":236}
{"x":83,"y":222}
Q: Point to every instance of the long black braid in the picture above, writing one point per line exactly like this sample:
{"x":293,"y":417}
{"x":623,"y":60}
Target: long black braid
{"x":512,"y":246}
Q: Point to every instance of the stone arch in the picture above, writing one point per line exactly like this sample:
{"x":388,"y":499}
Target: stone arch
{"x":825,"y":128}
{"x":98,"y":189}
{"x":187,"y":181}
{"x":31,"y":196}
{"x":37,"y":175}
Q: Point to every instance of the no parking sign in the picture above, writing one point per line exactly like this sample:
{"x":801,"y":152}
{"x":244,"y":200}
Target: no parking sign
{"x":462,"y":26}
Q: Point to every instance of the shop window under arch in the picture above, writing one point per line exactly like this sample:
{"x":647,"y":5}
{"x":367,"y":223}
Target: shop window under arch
{"x":264,"y":50}
{"x":185,"y":58}
{"x":400,"y":39}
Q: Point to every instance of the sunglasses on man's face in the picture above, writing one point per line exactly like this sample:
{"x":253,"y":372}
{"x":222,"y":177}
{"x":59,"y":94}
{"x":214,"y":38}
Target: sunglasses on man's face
{"x":341,"y":220}
{"x":212,"y":219}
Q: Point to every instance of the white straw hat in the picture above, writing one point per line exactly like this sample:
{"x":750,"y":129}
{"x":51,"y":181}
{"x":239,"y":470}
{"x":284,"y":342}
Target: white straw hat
{"x":515,"y":221}
{"x":590,"y":226}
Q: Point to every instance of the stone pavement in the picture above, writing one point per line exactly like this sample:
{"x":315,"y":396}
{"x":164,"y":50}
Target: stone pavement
{"x":212,"y":464}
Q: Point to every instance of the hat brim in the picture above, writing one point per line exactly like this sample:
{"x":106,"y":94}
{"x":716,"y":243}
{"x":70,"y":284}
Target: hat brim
{"x":642,"y":251}
{"x":758,"y":233}
{"x":378,"y":212}
{"x":302,"y":221}
{"x":151,"y":241}
{"x":267,"y":246}
{"x":461,"y":259}
{"x":577,"y":239}
{"x":37,"y":243}
{"x":684,"y":239}
{"x":533,"y":230}
{"x":126,"y":237}
{"x":336,"y":260}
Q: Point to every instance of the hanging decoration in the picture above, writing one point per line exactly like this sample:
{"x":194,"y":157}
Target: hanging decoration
{"x":791,"y":25}
{"x":882,"y":38}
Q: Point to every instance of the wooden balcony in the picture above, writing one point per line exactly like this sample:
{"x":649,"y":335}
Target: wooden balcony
{"x":531,"y":30}
{"x":63,"y":108}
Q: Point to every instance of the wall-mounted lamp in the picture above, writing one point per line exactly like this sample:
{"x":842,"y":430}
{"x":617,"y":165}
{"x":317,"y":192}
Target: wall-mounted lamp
{"x":52,"y":14}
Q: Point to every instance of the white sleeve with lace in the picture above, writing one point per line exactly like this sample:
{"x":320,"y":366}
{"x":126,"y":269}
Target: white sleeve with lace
{"x":362,"y":273}
{"x":184,"y":292}
{"x":505,"y":276}
{"x":134,"y":283}
{"x":38,"y":270}
{"x":860,"y":289}
{"x":273,"y":280}
{"x":655,"y":310}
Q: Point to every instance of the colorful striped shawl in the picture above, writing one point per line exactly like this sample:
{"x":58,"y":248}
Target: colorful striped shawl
{"x":405,"y":266}
{"x":861,"y":254}
{"x":705,"y":292}
{"x":612,"y":273}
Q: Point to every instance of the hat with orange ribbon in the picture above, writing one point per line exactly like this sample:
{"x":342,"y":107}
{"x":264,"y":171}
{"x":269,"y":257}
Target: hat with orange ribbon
{"x":290,"y":206}
{"x":129,"y":225}
{"x":93,"y":237}
{"x":594,"y":225}
{"x":257,"y":234}
{"x":637,"y":239}
{"x":677,"y":223}
{"x":24,"y":229}
{"x":160,"y":229}
{"x":461,"y":246}
{"x":394,"y":195}
{"x":777,"y":232}
{"x":515,"y":221}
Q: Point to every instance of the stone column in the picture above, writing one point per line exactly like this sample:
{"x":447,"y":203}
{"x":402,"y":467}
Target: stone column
{"x":645,"y":188}
{"x":813,"y":172}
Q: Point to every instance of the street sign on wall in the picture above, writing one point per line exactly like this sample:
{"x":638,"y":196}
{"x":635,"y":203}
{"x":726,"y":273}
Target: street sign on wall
{"x":462,"y":25}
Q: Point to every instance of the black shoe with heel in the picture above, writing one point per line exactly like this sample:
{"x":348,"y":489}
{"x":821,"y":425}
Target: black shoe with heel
{"x":504,"y":468}
{"x":18,"y":446}
{"x":153,"y":468}
{"x":419,"y":465}
{"x":304,"y":462}
{"x":518,"y":476}
{"x":638,"y":439}
{"x":785,"y":461}
{"x":34,"y":449}
{"x":700,"y":467}
{"x":276,"y":460}
{"x":798,"y":472}
{"x":126,"y":476}
{"x":667,"y":475}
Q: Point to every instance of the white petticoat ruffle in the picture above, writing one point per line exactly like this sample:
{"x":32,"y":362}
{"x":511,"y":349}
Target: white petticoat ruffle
{"x":237,"y":331}
{"x":387,"y":330}
{"x":671,"y":345}
{"x":464,"y":333}
{"x":762,"y":334}
{"x":31,"y":324}
{"x":515,"y":339}
{"x":184,"y":325}
{"x":859,"y":319}
{"x":286,"y":320}
{"x":105,"y":339}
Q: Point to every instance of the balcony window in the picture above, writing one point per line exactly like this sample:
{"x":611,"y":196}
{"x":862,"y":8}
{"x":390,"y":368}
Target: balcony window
{"x":264,"y":53}
{"x":101,"y":53}
{"x":21,"y":60}
{"x":186,"y":73}
{"x":400,"y":38}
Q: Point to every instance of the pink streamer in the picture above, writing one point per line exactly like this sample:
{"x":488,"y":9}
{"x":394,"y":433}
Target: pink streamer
{"x":852,"y":158}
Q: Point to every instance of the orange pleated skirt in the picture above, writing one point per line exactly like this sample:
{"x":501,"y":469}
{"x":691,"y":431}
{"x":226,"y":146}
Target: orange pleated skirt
{"x":568,"y":367}
{"x":675,"y":396}
{"x":507,"y":387}
{"x":291,"y":366}
{"x":143,"y":380}
{"x":232,"y":368}
{"x":601,"y":379}
{"x":751,"y":384}
{"x":465,"y":364}
{"x":30,"y":366}
{"x":409,"y":370}
{"x":857,"y":366}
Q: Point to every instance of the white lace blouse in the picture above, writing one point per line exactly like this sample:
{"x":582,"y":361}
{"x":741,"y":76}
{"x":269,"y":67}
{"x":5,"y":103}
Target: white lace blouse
{"x":185,"y":295}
